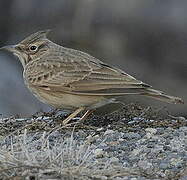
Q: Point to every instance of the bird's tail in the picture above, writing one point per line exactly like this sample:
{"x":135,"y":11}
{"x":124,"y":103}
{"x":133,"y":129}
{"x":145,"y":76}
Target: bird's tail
{"x":159,"y":95}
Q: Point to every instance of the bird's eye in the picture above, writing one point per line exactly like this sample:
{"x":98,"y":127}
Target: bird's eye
{"x":33,"y":48}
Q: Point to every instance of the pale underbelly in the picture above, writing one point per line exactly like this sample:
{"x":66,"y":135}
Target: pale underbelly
{"x":69,"y":101}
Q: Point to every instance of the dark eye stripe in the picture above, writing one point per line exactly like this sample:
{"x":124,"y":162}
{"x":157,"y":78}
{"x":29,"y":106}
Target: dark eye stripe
{"x":41,"y":46}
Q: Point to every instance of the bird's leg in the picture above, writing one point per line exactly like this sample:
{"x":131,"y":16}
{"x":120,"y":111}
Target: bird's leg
{"x":72,"y":115}
{"x":86,"y":114}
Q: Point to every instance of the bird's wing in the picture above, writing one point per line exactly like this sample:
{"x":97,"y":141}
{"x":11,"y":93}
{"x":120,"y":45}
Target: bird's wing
{"x":80,"y":76}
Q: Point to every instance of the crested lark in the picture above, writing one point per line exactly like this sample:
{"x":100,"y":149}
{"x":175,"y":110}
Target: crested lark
{"x":71,"y":79}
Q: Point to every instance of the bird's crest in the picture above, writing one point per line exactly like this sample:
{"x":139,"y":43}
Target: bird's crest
{"x":36,"y":36}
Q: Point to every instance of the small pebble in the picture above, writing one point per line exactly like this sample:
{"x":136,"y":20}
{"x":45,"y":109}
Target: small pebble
{"x":183,"y":178}
{"x":145,"y":164}
{"x":99,"y":153}
{"x":108,"y":132}
{"x":181,"y":118}
{"x":99,"y":129}
{"x":100,"y":177}
{"x":114,"y":160}
{"x":183,"y":128}
{"x":151,"y":130}
{"x":121,"y":140}
{"x":91,"y":139}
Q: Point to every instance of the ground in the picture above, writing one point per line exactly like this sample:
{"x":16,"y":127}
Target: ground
{"x":134,"y":142}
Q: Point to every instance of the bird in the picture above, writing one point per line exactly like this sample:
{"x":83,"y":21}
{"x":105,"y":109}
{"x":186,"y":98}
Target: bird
{"x":66,"y":78}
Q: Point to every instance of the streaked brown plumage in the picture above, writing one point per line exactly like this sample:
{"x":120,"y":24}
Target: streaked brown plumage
{"x":71,"y":79}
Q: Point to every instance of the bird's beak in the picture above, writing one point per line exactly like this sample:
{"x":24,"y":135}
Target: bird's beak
{"x":11,"y":48}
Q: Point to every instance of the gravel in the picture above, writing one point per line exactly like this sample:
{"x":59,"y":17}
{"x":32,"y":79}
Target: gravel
{"x":139,"y":150}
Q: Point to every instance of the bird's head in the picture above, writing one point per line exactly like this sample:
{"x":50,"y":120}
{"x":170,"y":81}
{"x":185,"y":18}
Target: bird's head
{"x":30,"y":48}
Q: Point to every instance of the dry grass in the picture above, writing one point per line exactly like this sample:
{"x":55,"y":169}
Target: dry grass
{"x":30,"y":154}
{"x":45,"y":156}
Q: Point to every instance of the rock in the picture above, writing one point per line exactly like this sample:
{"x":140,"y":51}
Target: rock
{"x":99,"y":153}
{"x":99,"y":129}
{"x":131,"y":135}
{"x":100,"y":177}
{"x":183,"y":178}
{"x":151,"y":130}
{"x":177,"y":162}
{"x":183,"y":128}
{"x":108,"y":132}
{"x":114,"y":160}
{"x":145,"y":165}
{"x":164,"y":165}
{"x":91,"y":139}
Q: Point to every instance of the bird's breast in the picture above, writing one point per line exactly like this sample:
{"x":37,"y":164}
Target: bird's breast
{"x":66,"y":100}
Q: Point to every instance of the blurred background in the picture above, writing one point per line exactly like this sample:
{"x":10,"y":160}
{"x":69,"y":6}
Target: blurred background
{"x":147,"y":39}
